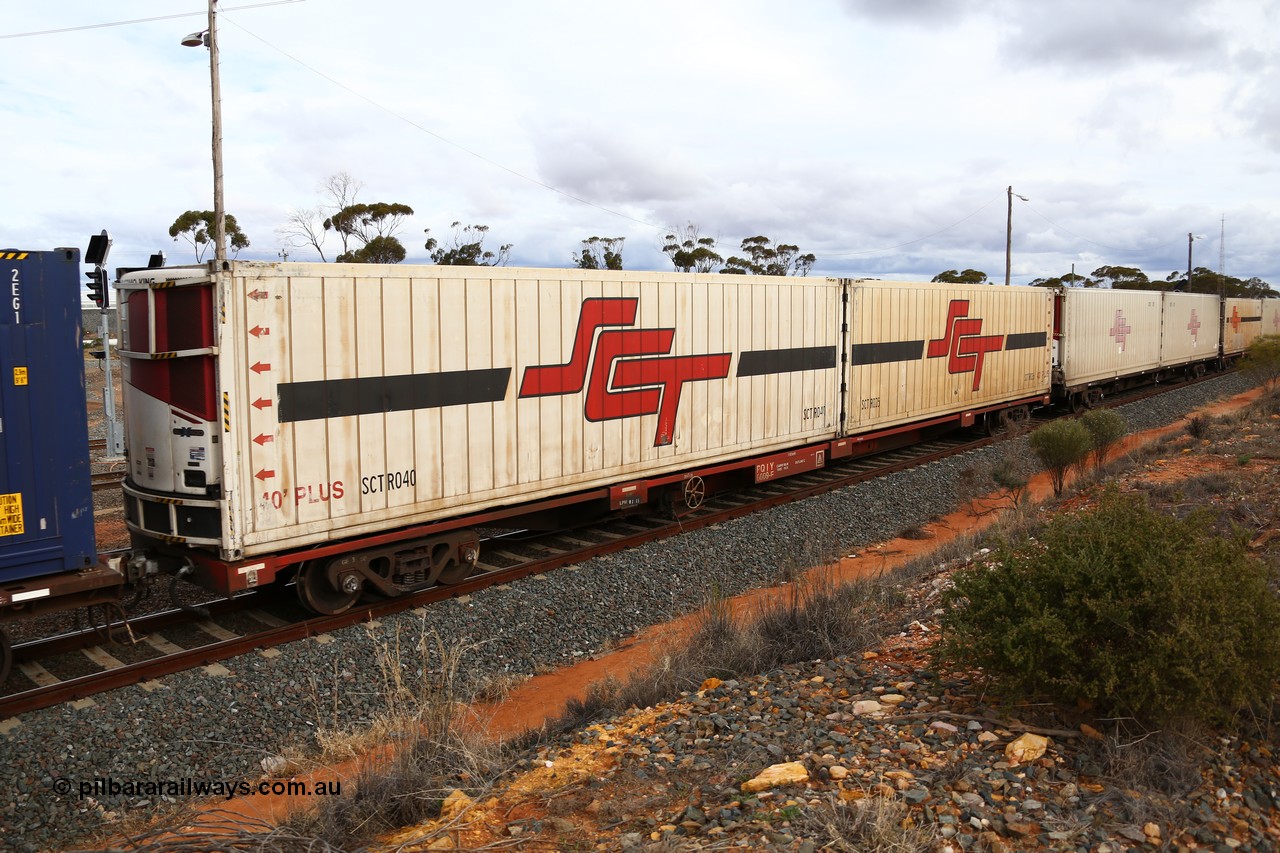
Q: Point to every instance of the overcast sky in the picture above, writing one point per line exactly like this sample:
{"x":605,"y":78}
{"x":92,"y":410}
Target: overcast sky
{"x":878,"y":134}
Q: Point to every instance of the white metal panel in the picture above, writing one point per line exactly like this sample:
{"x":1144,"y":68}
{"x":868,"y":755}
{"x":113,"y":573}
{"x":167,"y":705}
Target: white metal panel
{"x":921,"y":350}
{"x":1271,"y":316}
{"x":1108,"y":334}
{"x":1241,"y":324}
{"x":400,"y":394}
{"x":1188,"y":331}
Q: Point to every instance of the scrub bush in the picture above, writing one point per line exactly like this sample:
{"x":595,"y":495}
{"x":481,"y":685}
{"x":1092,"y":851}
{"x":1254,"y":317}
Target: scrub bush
{"x":1125,"y":609}
{"x":1106,"y":427}
{"x":1060,"y":446}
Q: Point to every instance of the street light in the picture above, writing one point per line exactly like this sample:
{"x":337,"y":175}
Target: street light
{"x":209,"y":38}
{"x":1008,"y":237}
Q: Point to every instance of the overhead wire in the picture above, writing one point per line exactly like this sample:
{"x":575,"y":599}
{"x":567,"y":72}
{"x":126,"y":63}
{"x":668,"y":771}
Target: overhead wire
{"x":142,"y":20}
{"x":1095,"y":242}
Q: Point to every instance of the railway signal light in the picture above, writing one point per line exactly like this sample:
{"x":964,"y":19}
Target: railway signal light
{"x":96,"y":254}
{"x":98,"y":287}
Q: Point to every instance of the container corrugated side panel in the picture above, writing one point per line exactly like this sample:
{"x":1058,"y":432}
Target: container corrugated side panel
{"x":393,"y":395}
{"x":1109,"y":333}
{"x":1271,"y":316}
{"x":1188,"y":331}
{"x":1241,"y":324}
{"x":921,"y":350}
{"x":46,"y":501}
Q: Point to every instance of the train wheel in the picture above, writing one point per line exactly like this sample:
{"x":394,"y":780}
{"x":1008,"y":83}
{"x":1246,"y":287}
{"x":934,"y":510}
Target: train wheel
{"x":317,"y":593}
{"x":6,"y":657}
{"x":694,"y":492}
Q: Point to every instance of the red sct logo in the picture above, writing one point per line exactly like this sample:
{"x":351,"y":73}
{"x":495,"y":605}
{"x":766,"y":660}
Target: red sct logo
{"x":626,"y":372}
{"x":963,"y":344}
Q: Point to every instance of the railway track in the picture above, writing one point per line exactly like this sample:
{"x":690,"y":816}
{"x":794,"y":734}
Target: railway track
{"x":143,"y":649}
{"x":75,"y":666}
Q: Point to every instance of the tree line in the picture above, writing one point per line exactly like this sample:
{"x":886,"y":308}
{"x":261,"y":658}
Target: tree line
{"x":369,"y":233}
{"x":1201,"y":280}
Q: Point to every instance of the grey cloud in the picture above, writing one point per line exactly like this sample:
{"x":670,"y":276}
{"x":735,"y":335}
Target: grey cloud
{"x":1080,"y":36}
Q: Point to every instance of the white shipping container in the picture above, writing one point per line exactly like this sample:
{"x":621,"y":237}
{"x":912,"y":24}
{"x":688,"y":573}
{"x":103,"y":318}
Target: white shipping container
{"x":1241,"y":324}
{"x":921,"y":350}
{"x":1188,"y":331}
{"x":354,"y":399}
{"x":1107,"y":334}
{"x":1271,"y":316}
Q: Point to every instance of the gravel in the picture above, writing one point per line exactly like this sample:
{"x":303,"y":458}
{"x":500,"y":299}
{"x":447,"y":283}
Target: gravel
{"x":210,"y":727}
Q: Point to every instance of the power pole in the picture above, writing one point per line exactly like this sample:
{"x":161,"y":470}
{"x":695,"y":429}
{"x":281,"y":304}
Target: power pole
{"x":219,"y":211}
{"x":1008,"y":240}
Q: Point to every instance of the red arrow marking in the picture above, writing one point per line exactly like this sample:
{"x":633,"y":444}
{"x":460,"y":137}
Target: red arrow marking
{"x":258,"y":294}
{"x":260,"y":367}
{"x":258,"y":331}
{"x":261,"y":403}
{"x":262,"y":439}
{"x":265,"y":474}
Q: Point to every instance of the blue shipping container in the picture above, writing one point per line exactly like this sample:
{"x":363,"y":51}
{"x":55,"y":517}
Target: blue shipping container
{"x":46,"y":498}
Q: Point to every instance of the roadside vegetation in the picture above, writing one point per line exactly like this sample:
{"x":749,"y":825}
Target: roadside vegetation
{"x":1132,"y":607}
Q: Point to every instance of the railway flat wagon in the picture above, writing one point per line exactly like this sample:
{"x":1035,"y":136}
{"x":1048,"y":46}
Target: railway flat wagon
{"x":921,"y":352}
{"x":281,"y":406}
{"x":1188,"y":333}
{"x":1106,"y":337}
{"x":1241,"y":324}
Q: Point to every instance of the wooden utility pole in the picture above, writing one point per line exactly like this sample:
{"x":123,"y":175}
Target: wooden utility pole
{"x":219,"y":210}
{"x":1008,"y":241}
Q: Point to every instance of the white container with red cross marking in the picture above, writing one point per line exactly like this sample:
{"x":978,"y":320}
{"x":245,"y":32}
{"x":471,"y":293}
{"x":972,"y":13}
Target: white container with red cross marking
{"x":1188,"y":331}
{"x":920,"y":350}
{"x":1271,"y":316}
{"x":273,"y":406}
{"x":1241,"y":324}
{"x":1107,"y":334}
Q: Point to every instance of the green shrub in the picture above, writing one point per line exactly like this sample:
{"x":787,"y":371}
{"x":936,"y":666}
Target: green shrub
{"x":1060,"y":446}
{"x":1124,"y":608}
{"x":1106,"y":427}
{"x":1262,"y":359}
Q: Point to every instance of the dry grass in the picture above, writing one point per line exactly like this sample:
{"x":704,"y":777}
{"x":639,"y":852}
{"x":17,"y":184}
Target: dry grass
{"x":817,"y":618}
{"x":434,"y":747}
{"x":868,"y":825}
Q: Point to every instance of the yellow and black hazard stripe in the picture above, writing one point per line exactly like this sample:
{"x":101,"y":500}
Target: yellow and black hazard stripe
{"x":14,"y":256}
{"x":226,"y":411}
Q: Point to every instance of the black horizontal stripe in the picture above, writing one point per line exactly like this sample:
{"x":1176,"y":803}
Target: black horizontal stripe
{"x":886,"y":352}
{"x":339,"y":398}
{"x":1257,"y":319}
{"x":766,"y":361}
{"x":1026,"y":340}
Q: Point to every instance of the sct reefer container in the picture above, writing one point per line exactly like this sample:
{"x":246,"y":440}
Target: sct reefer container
{"x":1107,"y":334}
{"x":1188,"y":332}
{"x":920,"y":350}
{"x":272,"y":406}
{"x":46,"y":500}
{"x":1271,"y":316}
{"x":1241,"y":324}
